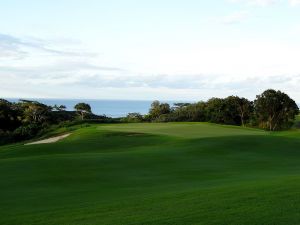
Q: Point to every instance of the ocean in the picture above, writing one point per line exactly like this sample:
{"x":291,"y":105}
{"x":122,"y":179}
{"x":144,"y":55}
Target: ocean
{"x":111,"y":108}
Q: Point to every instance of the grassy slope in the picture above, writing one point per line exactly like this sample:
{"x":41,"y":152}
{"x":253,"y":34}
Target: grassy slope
{"x":154,"y":174}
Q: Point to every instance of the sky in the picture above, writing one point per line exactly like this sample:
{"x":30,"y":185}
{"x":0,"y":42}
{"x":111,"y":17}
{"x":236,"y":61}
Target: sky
{"x":145,"y":50}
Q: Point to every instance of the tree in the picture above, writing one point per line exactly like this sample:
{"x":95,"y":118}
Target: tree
{"x":237,"y":110}
{"x":157,"y":109}
{"x":8,"y":115}
{"x":230,"y":111}
{"x":189,"y":112}
{"x":180,"y":105}
{"x":154,"y":111}
{"x":34,"y":112}
{"x":275,"y":110}
{"x":59,"y":107}
{"x":83,"y":109}
{"x":164,"y":108}
{"x":215,"y":110}
{"x":180,"y":112}
{"x":245,"y":109}
{"x":133,"y":118}
{"x":62,"y":108}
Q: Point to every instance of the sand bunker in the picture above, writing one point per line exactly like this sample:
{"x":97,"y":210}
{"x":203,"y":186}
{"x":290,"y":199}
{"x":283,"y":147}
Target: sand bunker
{"x":49,"y":140}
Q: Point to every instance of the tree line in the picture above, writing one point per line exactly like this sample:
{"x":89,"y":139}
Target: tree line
{"x":27,"y":119}
{"x":272,"y":110}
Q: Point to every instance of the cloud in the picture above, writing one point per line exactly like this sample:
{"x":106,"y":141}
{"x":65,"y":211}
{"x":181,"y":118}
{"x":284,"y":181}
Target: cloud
{"x":63,"y":73}
{"x":264,"y":3}
{"x":91,"y":77}
{"x":294,"y":2}
{"x":197,"y":72}
{"x":256,"y":2}
{"x":137,"y":86}
{"x":9,"y":47}
{"x":235,"y":17}
{"x":12,"y":47}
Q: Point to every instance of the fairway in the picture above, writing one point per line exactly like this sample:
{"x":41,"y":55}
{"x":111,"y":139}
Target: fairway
{"x":152,"y":174}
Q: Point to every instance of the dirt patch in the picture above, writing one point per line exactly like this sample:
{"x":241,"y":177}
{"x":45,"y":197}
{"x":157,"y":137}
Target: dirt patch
{"x":49,"y":140}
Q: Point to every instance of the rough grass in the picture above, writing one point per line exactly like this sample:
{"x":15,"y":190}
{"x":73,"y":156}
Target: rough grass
{"x":177,"y":173}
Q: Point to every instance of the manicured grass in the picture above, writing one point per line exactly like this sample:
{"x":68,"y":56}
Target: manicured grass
{"x":175,"y":173}
{"x":185,"y":130}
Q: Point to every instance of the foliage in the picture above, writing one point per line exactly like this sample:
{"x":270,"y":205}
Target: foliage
{"x":28,"y":119}
{"x":34,"y":112}
{"x":157,"y":109}
{"x":189,"y":112}
{"x":237,"y":110}
{"x":9,"y":116}
{"x":275,"y":110}
{"x":297,"y":122}
{"x":27,"y":131}
{"x":83,"y":109}
{"x":272,"y":110}
{"x":133,"y":118}
{"x":216,"y":110}
{"x":59,"y":108}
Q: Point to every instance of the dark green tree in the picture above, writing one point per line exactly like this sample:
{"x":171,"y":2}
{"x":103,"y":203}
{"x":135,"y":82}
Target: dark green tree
{"x":157,"y":109}
{"x":83,"y":109}
{"x":9,"y":115}
{"x":189,"y":112}
{"x":216,"y":110}
{"x":59,"y":107}
{"x":275,"y":110}
{"x":237,"y":110}
{"x":62,"y":108}
{"x":133,"y":118}
{"x":34,"y":112}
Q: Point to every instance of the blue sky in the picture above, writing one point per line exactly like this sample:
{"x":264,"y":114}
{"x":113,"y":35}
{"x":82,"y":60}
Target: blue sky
{"x":167,"y":50}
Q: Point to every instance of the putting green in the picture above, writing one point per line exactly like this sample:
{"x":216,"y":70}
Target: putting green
{"x":185,"y":130}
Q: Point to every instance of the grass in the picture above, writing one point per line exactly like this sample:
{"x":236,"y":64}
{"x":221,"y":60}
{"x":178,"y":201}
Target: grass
{"x":184,"y":130}
{"x":175,"y":173}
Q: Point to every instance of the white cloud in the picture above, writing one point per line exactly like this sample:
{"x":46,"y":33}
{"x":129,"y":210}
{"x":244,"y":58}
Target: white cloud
{"x":294,"y":2}
{"x":263,"y":3}
{"x":256,"y":2}
{"x":192,"y":72}
{"x":235,"y":17}
{"x":18,"y":48}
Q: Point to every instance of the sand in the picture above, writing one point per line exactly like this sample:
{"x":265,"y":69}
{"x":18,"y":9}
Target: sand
{"x":49,"y":140}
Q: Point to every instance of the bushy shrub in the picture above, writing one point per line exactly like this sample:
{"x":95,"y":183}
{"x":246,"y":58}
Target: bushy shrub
{"x":26,"y":132}
{"x":164,"y":118}
{"x":297,"y":124}
{"x":133,"y":118}
{"x":5,"y":137}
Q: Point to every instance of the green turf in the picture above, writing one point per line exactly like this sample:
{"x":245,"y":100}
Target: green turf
{"x":185,"y":130}
{"x":175,"y":173}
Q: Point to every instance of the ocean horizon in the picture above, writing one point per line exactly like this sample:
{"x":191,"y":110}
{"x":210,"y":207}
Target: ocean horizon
{"x":110,"y":108}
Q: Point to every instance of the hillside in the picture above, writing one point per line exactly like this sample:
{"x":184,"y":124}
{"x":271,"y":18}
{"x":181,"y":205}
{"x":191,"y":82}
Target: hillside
{"x":165,"y":173}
